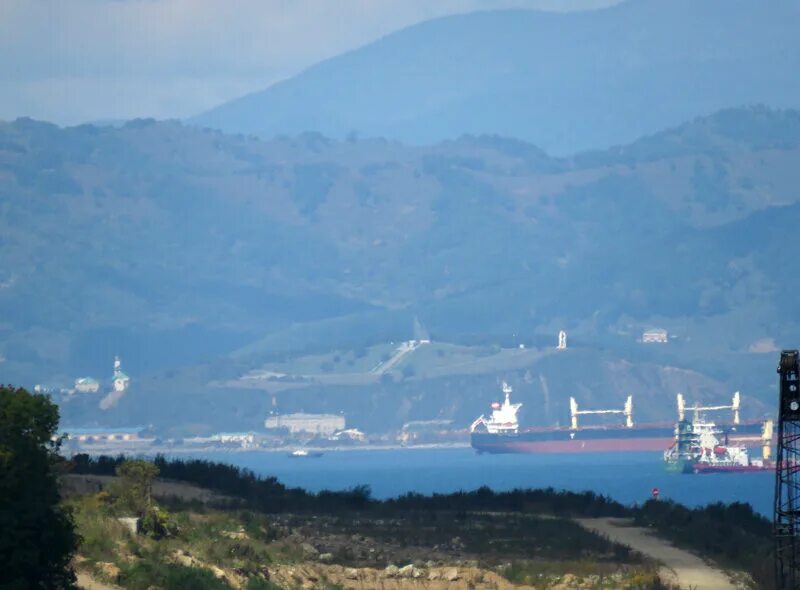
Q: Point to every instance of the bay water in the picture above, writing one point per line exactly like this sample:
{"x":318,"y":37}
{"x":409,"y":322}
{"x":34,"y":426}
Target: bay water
{"x":626,"y":477}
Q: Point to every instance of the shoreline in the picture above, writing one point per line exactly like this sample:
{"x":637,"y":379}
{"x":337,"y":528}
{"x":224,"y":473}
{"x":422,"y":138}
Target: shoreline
{"x":125,"y":449}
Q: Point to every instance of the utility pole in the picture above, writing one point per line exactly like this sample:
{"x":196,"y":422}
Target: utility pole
{"x":786,"y":522}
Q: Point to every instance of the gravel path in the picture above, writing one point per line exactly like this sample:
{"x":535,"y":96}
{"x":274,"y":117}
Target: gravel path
{"x":680,"y":567}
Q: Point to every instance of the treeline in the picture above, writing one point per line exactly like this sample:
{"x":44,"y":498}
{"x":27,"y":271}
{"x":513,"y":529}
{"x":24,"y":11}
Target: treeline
{"x":538,"y":501}
{"x":734,"y":535}
{"x":267,"y":494}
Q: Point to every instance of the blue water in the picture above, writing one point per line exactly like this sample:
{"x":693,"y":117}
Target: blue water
{"x":626,"y":477}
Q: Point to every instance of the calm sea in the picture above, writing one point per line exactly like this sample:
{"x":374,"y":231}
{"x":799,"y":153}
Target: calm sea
{"x":626,"y":477}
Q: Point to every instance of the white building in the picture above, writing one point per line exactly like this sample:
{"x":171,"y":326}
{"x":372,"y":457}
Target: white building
{"x":244,"y":439}
{"x":312,"y":423}
{"x":87,"y":385}
{"x":655,"y":335}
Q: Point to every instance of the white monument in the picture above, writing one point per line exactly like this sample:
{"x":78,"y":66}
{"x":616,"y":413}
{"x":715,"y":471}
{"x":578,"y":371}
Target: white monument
{"x":562,"y":340}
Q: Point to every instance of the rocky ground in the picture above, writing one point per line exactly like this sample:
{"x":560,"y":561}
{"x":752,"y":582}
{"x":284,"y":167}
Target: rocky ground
{"x":385,"y":548}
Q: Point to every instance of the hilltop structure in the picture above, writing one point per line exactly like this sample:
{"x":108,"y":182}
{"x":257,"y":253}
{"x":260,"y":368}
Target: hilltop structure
{"x":562,"y":340}
{"x":120,"y":381}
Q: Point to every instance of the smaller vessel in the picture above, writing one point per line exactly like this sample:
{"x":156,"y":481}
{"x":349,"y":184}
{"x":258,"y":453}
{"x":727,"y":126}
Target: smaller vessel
{"x":304,"y":454}
{"x":697,"y":449}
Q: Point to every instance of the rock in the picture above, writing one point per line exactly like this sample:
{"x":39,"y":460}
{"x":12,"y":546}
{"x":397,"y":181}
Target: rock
{"x":433,"y":575}
{"x":567,"y":582}
{"x":391,"y":571}
{"x":219,"y":573}
{"x":108,"y":570}
{"x":451,"y":575}
{"x":309,"y":550}
{"x":351,"y":573}
{"x":408,"y":571}
{"x":184,"y":559}
{"x":325,"y":557}
{"x":131,"y":523}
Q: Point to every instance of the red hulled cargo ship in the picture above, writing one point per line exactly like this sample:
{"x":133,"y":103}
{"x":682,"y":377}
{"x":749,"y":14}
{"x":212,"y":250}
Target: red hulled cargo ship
{"x":501,"y":433}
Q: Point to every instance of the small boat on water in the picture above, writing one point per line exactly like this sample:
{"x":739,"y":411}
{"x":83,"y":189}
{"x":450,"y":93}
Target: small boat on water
{"x":304,"y":454}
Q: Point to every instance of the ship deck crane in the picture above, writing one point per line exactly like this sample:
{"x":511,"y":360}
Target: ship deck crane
{"x":574,"y":412}
{"x":697,"y":408}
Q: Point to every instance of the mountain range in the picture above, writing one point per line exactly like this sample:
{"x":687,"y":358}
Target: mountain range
{"x":199,"y":256}
{"x":566,"y":82}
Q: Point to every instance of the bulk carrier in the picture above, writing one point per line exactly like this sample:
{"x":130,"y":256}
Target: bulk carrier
{"x":501,"y":433}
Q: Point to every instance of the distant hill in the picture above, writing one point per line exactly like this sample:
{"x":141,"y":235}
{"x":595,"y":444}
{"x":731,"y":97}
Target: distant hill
{"x":198,"y":256}
{"x":564,"y":81}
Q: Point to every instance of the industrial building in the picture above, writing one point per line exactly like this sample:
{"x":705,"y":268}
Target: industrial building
{"x":325,"y":424}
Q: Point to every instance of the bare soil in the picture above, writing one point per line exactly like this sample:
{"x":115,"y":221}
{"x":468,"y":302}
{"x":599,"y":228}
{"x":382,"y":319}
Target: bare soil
{"x":680,"y":567}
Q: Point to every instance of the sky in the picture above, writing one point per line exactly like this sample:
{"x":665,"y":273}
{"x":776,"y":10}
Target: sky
{"x":75,"y":61}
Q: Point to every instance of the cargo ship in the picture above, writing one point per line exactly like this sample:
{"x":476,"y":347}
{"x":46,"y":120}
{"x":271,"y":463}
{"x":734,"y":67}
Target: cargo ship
{"x":697,"y":449}
{"x":500,"y":432}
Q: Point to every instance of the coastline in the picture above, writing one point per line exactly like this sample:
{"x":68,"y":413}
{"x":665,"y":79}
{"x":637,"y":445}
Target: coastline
{"x":147,"y":450}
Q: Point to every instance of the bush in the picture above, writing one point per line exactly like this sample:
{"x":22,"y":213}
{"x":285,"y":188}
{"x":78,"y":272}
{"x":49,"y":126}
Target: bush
{"x":144,"y":573}
{"x":256,"y":583}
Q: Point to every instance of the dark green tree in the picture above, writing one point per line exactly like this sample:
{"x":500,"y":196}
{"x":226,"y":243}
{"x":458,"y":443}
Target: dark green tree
{"x":37,"y":536}
{"x":134,"y":488}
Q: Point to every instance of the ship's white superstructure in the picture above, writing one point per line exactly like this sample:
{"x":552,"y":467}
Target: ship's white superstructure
{"x":504,"y":416}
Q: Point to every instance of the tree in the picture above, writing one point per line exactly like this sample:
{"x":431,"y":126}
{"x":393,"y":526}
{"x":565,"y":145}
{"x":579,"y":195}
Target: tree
{"x":134,"y":489}
{"x":37,"y":536}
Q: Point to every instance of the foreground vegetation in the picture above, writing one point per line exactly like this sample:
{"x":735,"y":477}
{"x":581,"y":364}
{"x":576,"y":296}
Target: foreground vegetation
{"x":527,"y":536}
{"x":214,"y":548}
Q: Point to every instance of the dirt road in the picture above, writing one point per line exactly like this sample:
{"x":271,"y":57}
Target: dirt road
{"x":680,"y":567}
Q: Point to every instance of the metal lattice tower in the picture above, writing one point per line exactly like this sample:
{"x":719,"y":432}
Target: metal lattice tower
{"x":787,"y":476}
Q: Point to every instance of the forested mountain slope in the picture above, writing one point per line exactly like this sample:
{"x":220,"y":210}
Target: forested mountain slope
{"x":171,"y":245}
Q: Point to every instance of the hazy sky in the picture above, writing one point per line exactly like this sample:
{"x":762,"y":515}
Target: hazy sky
{"x":71,"y":61}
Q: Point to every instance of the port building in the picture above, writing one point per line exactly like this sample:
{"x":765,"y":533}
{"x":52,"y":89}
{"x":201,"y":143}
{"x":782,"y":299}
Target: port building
{"x":655,"y":336}
{"x":325,"y":424}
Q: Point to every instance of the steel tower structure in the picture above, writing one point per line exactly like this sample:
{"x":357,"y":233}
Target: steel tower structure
{"x":787,"y":476}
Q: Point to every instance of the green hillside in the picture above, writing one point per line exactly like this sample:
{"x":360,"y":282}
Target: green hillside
{"x":199,"y":257}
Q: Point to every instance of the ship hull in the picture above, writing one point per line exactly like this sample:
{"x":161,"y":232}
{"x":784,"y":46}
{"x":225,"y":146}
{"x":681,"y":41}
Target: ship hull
{"x":597,"y":440}
{"x":503,"y":446}
{"x":705,"y":468}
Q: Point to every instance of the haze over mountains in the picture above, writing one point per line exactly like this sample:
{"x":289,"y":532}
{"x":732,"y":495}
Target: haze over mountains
{"x":174,"y":246}
{"x":205,"y":257}
{"x":565,"y":82}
